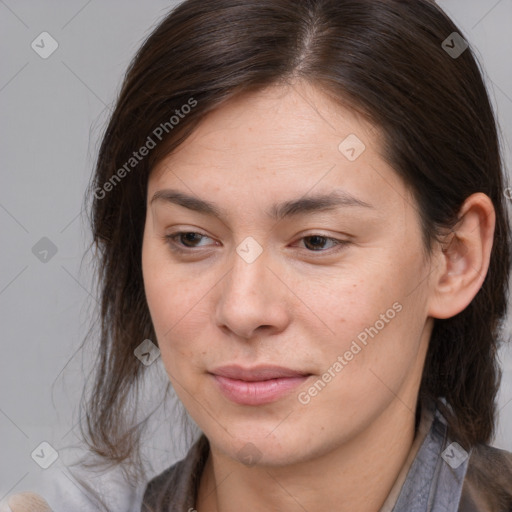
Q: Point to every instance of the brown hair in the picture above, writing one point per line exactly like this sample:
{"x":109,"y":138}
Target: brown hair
{"x":384,"y":59}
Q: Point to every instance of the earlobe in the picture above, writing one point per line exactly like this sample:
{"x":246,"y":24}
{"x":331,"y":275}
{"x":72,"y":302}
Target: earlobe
{"x":463,"y":258}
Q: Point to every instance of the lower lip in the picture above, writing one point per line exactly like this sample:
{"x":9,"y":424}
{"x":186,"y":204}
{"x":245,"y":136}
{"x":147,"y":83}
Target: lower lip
{"x":257,"y":392}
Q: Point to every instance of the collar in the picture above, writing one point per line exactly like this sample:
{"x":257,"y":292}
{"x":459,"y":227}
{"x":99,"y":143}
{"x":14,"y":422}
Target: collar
{"x":435,"y":478}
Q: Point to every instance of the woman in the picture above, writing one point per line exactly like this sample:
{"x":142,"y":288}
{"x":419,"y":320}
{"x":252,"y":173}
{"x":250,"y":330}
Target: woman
{"x":301,"y":204}
{"x":312,"y":229}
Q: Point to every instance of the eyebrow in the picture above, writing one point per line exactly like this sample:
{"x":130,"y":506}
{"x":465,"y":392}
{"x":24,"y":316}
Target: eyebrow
{"x":294,"y":207}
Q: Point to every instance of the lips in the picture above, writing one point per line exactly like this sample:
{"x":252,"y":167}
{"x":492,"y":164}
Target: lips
{"x":258,"y":385}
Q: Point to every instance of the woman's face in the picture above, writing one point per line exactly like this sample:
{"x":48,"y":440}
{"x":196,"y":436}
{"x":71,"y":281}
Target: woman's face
{"x":348,"y":323}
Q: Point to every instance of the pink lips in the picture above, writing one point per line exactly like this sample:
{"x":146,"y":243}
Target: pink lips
{"x":256,"y":386}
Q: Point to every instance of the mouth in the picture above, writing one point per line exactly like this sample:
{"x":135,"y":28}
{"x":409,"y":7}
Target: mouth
{"x":258,"y":385}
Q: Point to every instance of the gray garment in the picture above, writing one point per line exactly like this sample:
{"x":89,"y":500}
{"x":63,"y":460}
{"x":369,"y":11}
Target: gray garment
{"x":435,"y":480}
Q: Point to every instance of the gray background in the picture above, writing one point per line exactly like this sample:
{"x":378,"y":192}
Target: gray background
{"x":52,"y":112}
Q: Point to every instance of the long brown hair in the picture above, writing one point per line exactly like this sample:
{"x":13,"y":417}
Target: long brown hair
{"x":383,"y":58}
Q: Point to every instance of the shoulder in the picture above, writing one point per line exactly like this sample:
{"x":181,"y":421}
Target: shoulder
{"x":488,"y":483}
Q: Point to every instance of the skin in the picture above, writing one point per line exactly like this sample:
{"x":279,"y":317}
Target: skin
{"x":302,"y":302}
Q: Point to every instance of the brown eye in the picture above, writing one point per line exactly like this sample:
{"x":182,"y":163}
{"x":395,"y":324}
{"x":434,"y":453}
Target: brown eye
{"x":189,"y":238}
{"x":182,"y":241}
{"x":316,"y":243}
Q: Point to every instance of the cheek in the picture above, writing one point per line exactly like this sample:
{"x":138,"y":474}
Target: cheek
{"x":340,"y":303}
{"x":367,"y":313}
{"x":164,"y":283}
{"x":176,"y":304}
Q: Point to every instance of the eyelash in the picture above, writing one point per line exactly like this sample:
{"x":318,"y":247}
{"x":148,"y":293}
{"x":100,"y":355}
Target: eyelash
{"x":171,"y":240}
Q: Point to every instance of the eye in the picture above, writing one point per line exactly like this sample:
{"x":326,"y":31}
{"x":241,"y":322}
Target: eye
{"x":188,"y":237}
{"x":317,"y":240}
{"x":186,"y":241}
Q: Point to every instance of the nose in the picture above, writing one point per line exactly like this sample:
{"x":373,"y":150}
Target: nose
{"x":253,"y":299}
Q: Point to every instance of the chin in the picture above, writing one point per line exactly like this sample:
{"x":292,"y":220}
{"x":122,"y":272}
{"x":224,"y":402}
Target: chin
{"x":253,"y":445}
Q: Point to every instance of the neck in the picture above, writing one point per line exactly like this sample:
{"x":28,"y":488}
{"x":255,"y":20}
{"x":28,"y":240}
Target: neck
{"x":356,"y":476}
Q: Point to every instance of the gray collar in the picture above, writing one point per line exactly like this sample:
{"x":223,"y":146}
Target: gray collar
{"x":435,"y":479}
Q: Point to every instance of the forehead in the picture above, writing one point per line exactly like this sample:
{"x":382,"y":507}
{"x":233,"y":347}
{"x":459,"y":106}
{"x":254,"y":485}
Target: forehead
{"x":281,"y":141}
{"x":279,"y":121}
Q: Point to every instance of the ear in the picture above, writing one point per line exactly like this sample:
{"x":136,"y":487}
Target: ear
{"x":462,"y":260}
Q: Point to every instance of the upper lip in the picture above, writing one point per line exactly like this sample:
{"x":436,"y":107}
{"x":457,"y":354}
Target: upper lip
{"x":257,"y":373}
